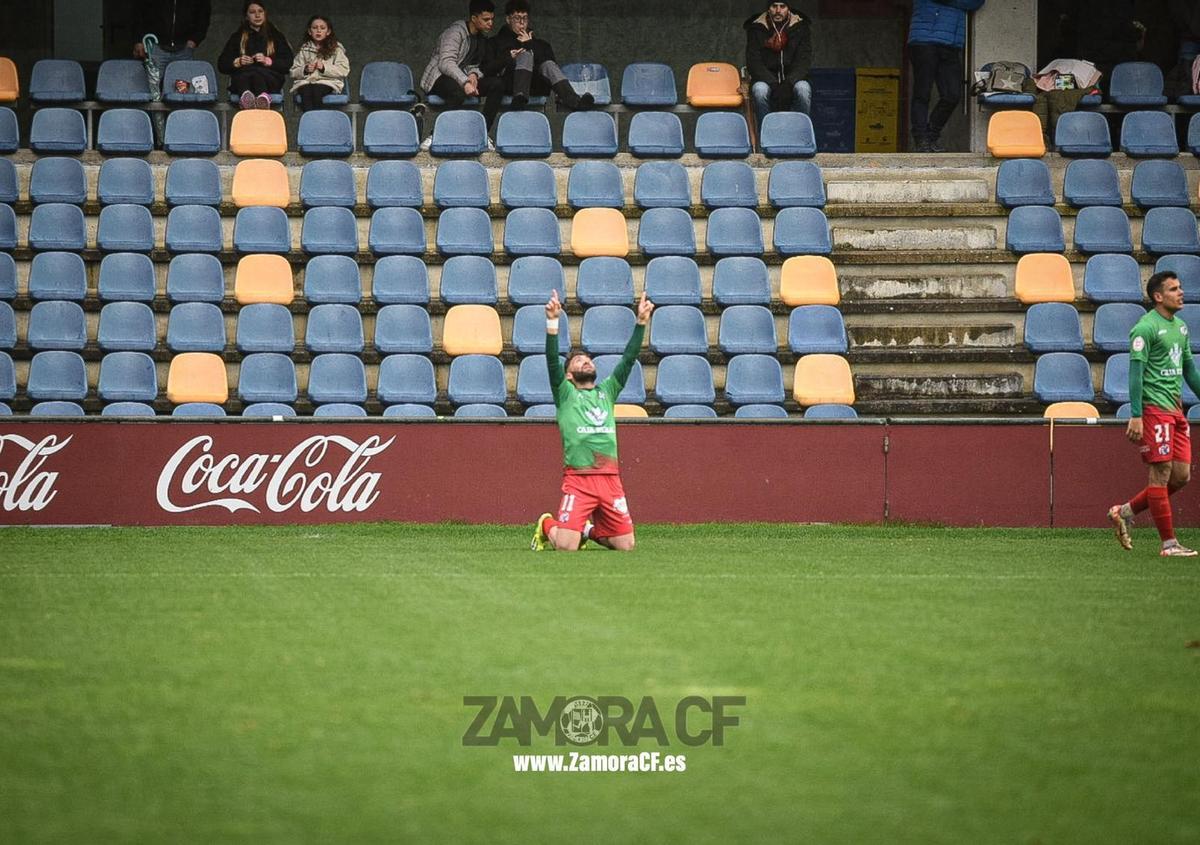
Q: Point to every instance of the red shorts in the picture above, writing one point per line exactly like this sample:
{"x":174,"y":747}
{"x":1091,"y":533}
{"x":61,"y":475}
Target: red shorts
{"x":1166,"y":436}
{"x":599,"y":498}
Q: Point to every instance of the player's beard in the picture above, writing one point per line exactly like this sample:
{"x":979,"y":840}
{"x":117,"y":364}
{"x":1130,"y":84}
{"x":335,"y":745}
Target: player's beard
{"x":584,"y":381}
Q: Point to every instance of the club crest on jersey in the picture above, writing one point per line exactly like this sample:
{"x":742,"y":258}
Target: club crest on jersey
{"x":1183,"y":330}
{"x":1139,"y":344}
{"x":596,"y":416}
{"x":1176,"y":354}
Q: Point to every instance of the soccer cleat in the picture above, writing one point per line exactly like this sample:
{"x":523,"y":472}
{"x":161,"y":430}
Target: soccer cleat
{"x":538,"y":544}
{"x":1176,"y":550}
{"x":1120,"y":527}
{"x":247,"y":100}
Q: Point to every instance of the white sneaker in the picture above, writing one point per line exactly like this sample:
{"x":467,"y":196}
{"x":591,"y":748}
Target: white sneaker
{"x":426,"y":144}
{"x":1176,"y":550}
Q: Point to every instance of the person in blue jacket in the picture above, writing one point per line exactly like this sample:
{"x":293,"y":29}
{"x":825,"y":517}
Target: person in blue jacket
{"x":936,"y":37}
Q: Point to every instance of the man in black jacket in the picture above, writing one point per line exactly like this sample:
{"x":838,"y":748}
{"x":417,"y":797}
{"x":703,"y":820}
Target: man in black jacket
{"x":778,"y":56}
{"x":527,"y":64}
{"x":177,"y":27}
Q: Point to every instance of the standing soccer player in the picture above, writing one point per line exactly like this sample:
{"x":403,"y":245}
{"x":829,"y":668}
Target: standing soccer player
{"x":593,"y":504}
{"x":1159,"y":358}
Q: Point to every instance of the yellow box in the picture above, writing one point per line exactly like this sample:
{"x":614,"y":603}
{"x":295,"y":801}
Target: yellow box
{"x":877,"y":110}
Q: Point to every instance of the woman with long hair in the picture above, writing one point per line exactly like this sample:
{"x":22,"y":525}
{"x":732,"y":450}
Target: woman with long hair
{"x":256,"y":57}
{"x":321,"y":65}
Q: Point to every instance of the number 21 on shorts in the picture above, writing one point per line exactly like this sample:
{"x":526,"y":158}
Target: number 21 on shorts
{"x":1162,"y":432}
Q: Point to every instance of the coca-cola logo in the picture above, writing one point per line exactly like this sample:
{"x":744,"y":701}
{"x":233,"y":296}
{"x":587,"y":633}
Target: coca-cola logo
{"x":290,"y":480}
{"x":29,"y":487}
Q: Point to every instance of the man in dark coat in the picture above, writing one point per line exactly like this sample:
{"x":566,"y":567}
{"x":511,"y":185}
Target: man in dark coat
{"x":527,"y":64}
{"x":778,"y":57}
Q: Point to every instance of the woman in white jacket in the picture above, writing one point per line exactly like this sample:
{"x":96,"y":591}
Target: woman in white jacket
{"x":321,"y":65}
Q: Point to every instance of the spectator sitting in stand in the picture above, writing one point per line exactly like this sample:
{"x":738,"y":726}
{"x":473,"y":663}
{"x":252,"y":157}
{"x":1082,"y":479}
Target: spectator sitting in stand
{"x":257,"y":58}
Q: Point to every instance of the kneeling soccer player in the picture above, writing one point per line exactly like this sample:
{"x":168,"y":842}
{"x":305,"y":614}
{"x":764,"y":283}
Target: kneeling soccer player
{"x":593,"y":504}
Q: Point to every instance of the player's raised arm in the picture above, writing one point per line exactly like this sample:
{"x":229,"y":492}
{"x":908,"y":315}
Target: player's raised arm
{"x":633,"y":348}
{"x":553,"y":366}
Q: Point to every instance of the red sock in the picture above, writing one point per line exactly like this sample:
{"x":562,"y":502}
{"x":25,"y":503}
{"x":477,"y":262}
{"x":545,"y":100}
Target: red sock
{"x":1160,"y":511}
{"x":547,"y":524}
{"x":1139,"y":502}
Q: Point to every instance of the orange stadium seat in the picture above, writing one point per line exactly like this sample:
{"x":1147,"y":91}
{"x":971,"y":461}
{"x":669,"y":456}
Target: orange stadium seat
{"x":809,"y":280}
{"x":1015,"y":134}
{"x":629,"y":412}
{"x":822,"y":379}
{"x":197,"y":377}
{"x":1044,"y":277}
{"x":260,"y":181}
{"x":714,"y":85}
{"x":258,"y":132}
{"x":472,"y":330}
{"x":1071,"y":411}
{"x":10,"y":84}
{"x":599,"y":231}
{"x":263,"y":278}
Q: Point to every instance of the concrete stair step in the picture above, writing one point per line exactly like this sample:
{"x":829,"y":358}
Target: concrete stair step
{"x":925,"y":238}
{"x":910,"y":191}
{"x":925,"y":336}
{"x":939,"y":386}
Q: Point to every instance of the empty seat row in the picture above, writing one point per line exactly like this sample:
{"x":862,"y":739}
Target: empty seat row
{"x":1089,"y":182}
{"x":1067,"y":377}
{"x":1018,"y":134}
{"x":1055,"y":326}
{"x":1036,"y":228}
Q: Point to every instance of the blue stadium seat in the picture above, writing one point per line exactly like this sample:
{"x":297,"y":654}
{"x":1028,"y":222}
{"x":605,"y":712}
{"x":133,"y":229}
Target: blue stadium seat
{"x":595,"y":184}
{"x":268,"y":409}
{"x":1116,"y":379}
{"x":334,"y":328}
{"x":194,"y":228}
{"x":468,"y":279}
{"x":666,"y":231}
{"x":461,"y":132}
{"x":546,"y":411}
{"x":8,"y":378}
{"x":267,"y":377}
{"x":1136,"y":85}
{"x":656,"y":135}
{"x":761,"y":411}
{"x":57,"y":81}
{"x":125,"y":228}
{"x":590,"y":78}
{"x":788,"y":134}
{"x":189,"y":70}
{"x":634,"y":392}
{"x":56,"y":409}
{"x":589,"y":133}
{"x":1149,"y":133}
{"x":689,"y":412}
{"x":128,"y":377}
{"x":386,"y":84}
{"x":193,"y":181}
{"x":738,"y":231}
{"x":1186,"y":267}
{"x":394,"y":184}
{"x":327,"y":182}
{"x":1102,"y":229}
{"x":57,"y":130}
{"x":125,"y":131}
{"x":1114,"y":278}
{"x":532,"y":231}
{"x":10,"y":136}
{"x":1082,"y":133}
{"x":1193,"y":135}
{"x":476,"y":379}
{"x":8,"y":277}
{"x":816,"y":329}
{"x":999,"y":100}
{"x":325,"y":132}
{"x":1169,"y":230}
{"x":198,"y":409}
{"x":533,"y":381}
{"x":1062,"y":377}
{"x":192,"y":132}
{"x":57,"y":325}
{"x":340,"y":409}
{"x":127,"y":409}
{"x":265,"y":327}
{"x":8,"y":228}
{"x":677,"y":330}
{"x":685,"y":380}
{"x":407,"y":379}
{"x":57,"y":179}
{"x":9,"y":192}
{"x":261,"y":229}
{"x":407,"y":410}
{"x":332,"y":279}
{"x":1053,"y":327}
{"x":802,"y":231}
{"x":722,"y":133}
{"x":528,"y":184}
{"x":1034,"y":228}
{"x":1114,"y":321}
{"x":830,"y":411}
{"x":604,"y":280}
{"x":327,"y":230}
{"x":461,"y":184}
{"x":8,"y":326}
{"x":606,"y":329}
{"x":1091,"y":181}
{"x":529,"y":331}
{"x":741,"y":280}
{"x":480,"y":409}
{"x":400,"y":280}
{"x":1023,"y":181}
{"x":796,"y":183}
{"x":196,"y":327}
{"x":195,"y":277}
{"x":57,"y":226}
{"x":1190,"y":314}
{"x":531,"y":278}
{"x":122,"y":81}
{"x":465,"y":231}
{"x":1193,"y":413}
{"x":337,"y":378}
{"x":673,"y":280}
{"x":390,"y":133}
{"x":747,"y":330}
{"x":648,"y":84}
{"x":403,"y":329}
{"x":662,"y":184}
{"x":398,"y":231}
{"x":1158,"y":183}
{"x":754,"y":379}
{"x":57,"y":275}
{"x":127,"y":327}
{"x":125,"y":180}
{"x":127,"y":277}
{"x":523,"y":134}
{"x":728,"y":184}
{"x":57,"y":376}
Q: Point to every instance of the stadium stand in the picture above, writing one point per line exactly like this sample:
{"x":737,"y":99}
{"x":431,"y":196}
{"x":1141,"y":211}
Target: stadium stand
{"x":1148,"y":133}
{"x":126,"y":327}
{"x":1082,"y":133}
{"x":126,"y":277}
{"x":532,"y":231}
{"x":600,"y":231}
{"x":604,"y":281}
{"x":673,"y":280}
{"x":258,"y":133}
{"x":796,"y":183}
{"x":661,"y":184}
{"x":1053,"y":327}
{"x":1159,"y":183}
{"x":461,"y":184}
{"x":325,"y":133}
{"x":260,"y":181}
{"x":666,"y":231}
{"x":1170,"y":230}
{"x":1102,"y":229}
{"x":58,"y":130}
{"x":788,"y":134}
{"x":57,"y":275}
{"x":390,"y":133}
{"x":386,"y":84}
{"x":195,"y":277}
{"x":124,"y":131}
{"x":1089,"y":182}
{"x":528,"y":184}
{"x":192,"y":132}
{"x":648,"y":84}
{"x":590,"y":134}
{"x":685,"y":380}
{"x":523,"y":134}
{"x":125,"y":180}
{"x":1112,"y":278}
{"x":407,"y":380}
{"x":469,"y":279}
{"x":404,"y":329}
{"x":263,"y":278}
{"x":1023,"y":181}
{"x":57,"y":179}
{"x":265,"y":327}
{"x":192,"y":181}
{"x":656,"y":134}
{"x":1015,"y":134}
{"x":595,"y":184}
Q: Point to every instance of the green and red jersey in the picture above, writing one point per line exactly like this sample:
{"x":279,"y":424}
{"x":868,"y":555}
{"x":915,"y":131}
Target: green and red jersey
{"x":1161,"y":346}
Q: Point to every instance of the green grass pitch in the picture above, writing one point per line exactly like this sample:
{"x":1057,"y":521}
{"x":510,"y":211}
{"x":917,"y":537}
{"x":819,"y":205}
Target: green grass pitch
{"x":903,"y":684}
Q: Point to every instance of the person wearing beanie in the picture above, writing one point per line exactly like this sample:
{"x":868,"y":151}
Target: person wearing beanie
{"x":937,"y":34}
{"x":527,"y":64}
{"x":778,"y":57}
